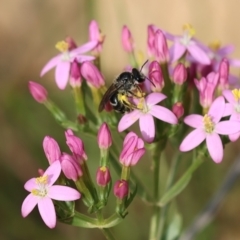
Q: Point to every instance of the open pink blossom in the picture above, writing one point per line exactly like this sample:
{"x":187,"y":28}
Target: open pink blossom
{"x":186,"y":43}
{"x":208,"y":128}
{"x":42,"y":192}
{"x":147,"y":110}
{"x":63,"y":61}
{"x":232,"y":108}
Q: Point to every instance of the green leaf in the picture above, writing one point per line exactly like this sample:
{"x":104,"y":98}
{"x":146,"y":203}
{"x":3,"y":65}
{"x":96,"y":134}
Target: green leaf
{"x":181,"y":183}
{"x":174,"y":229}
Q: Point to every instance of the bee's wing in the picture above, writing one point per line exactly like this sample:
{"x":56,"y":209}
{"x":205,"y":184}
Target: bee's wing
{"x":107,"y":95}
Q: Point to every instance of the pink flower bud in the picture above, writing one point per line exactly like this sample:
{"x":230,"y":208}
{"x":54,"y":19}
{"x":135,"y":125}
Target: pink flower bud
{"x":150,"y":40}
{"x":133,"y":150}
{"x":223,"y":74}
{"x":92,"y":75}
{"x":155,"y":75}
{"x":179,"y":74}
{"x":104,"y":137}
{"x":95,"y":34}
{"x":40,"y":172}
{"x":51,"y":149}
{"x":103,"y":176}
{"x":70,"y":167}
{"x":71,"y":43}
{"x":38,"y":92}
{"x":75,"y":75}
{"x":127,"y":40}
{"x":76,"y":146}
{"x":161,"y":48}
{"x":178,"y":109}
{"x":121,"y":189}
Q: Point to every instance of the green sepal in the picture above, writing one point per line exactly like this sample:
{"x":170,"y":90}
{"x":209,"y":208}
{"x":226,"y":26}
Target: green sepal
{"x":64,"y":210}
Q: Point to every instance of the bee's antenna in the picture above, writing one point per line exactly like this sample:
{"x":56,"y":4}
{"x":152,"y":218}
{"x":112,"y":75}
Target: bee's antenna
{"x":143,"y":65}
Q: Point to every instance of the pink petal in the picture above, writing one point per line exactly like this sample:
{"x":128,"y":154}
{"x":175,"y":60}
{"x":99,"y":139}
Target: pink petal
{"x":217,"y":109}
{"x":128,"y":119}
{"x":51,"y":64}
{"x":53,"y":172}
{"x":227,"y":127}
{"x":194,"y":120}
{"x":234,"y":62}
{"x":128,"y":136}
{"x":215,"y":147}
{"x":28,"y":204}
{"x":228,"y":110}
{"x":154,"y":98}
{"x":229,"y":96}
{"x":137,"y":155}
{"x":176,"y":51}
{"x":226,"y":50}
{"x":234,"y":137}
{"x":62,"y":73}
{"x":63,"y":193}
{"x":30,"y":184}
{"x":198,"y":54}
{"x":84,"y":48}
{"x":147,"y":127}
{"x":192,"y":140}
{"x":84,"y":58}
{"x":163,"y":114}
{"x":47,"y":212}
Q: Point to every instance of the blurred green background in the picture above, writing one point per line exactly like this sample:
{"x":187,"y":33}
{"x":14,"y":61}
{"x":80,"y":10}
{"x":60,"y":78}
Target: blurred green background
{"x":28,"y":32}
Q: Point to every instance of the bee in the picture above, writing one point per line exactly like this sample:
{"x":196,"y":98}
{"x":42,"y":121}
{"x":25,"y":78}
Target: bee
{"x":124,"y":86}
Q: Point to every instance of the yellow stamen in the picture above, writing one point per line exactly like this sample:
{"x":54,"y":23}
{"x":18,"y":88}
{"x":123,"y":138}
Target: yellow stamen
{"x":208,"y":123}
{"x":62,"y":46}
{"x":189,"y":29}
{"x":42,"y":180}
{"x":103,"y":169}
{"x":236,"y":94}
{"x":141,"y":103}
{"x":215,"y":45}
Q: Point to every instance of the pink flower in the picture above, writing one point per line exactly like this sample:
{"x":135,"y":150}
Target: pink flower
{"x":161,"y":47}
{"x":127,"y":40}
{"x":150,"y":40}
{"x":206,"y":87}
{"x":179,"y":74}
{"x":38,"y":92}
{"x":156,"y":76}
{"x":233,"y":108}
{"x":104,"y":137}
{"x":96,"y":35}
{"x":75,"y":79}
{"x":133,"y":150}
{"x":121,"y":189}
{"x":184,"y":43}
{"x":63,"y":61}
{"x":208,"y":128}
{"x":51,"y":149}
{"x":103,"y":176}
{"x":42,"y":192}
{"x":178,"y":109}
{"x":147,"y":110}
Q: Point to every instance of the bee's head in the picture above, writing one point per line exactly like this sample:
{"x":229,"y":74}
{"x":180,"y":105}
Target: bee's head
{"x":137,"y":75}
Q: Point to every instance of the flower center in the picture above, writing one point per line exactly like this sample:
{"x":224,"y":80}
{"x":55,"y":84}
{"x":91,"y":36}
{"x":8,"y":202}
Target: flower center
{"x":236,"y":95}
{"x":63,"y":47}
{"x":103,"y":169}
{"x":208,"y":123}
{"x":41,"y":182}
{"x":142,"y":105}
{"x":188,"y":33}
{"x":215,"y":45}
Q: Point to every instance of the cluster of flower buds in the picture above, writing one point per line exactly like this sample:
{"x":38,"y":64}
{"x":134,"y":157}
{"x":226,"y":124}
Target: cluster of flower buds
{"x":190,"y":80}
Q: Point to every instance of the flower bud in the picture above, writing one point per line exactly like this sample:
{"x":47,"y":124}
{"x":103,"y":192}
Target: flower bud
{"x":40,"y":172}
{"x":92,"y":75}
{"x":127,"y":40}
{"x":121,"y":189}
{"x":95,"y":34}
{"x":178,"y":109}
{"x":70,"y":167}
{"x":150,"y":40}
{"x":155,"y":75}
{"x":223,"y":74}
{"x":133,"y":150}
{"x":38,"y":92}
{"x":179,"y":74}
{"x":51,"y":149}
{"x":103,"y":176}
{"x":104,"y":137}
{"x":75,"y":75}
{"x":161,"y":48}
{"x":71,"y":43}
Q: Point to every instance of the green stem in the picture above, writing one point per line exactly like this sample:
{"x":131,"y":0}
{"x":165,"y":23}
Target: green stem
{"x":78,"y":97}
{"x":107,"y":233}
{"x":170,"y":181}
{"x":155,"y":217}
